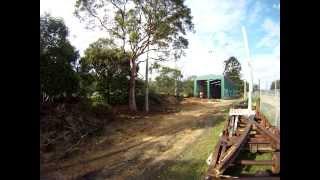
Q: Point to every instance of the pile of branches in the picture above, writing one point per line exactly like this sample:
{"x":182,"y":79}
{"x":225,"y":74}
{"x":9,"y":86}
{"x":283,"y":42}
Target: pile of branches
{"x":64,"y":126}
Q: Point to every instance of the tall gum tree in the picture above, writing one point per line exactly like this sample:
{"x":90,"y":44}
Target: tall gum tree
{"x":138,"y":27}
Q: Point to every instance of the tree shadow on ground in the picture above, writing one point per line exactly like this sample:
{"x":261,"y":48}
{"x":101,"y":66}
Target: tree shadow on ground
{"x":190,"y":122}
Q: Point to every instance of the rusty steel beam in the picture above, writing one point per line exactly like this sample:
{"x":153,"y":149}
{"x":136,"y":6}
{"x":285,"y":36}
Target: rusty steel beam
{"x":261,"y":149}
{"x":272,"y":136}
{"x":259,"y":136}
{"x":255,"y":132}
{"x":223,"y":150}
{"x":231,"y":153}
{"x":276,"y":165}
{"x":262,"y":130}
{"x":255,"y":162}
{"x":216,"y":154}
{"x":259,"y":178}
{"x":259,"y":141}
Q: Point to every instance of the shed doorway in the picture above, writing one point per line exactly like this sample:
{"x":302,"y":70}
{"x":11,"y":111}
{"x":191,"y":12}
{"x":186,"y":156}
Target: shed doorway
{"x":215,"y":89}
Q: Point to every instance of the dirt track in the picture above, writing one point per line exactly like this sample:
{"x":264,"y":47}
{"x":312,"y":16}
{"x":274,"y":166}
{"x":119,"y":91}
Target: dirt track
{"x":136,"y":148}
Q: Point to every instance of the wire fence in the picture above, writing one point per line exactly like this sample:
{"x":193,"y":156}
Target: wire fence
{"x":269,"y":104}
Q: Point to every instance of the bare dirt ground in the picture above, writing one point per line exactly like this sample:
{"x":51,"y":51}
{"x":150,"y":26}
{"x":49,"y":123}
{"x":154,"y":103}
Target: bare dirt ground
{"x":137,"y":147}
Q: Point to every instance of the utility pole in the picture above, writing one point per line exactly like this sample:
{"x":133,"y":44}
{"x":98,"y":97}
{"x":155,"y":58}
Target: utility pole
{"x":147,"y":83}
{"x":244,"y":90}
{"x":259,"y":89}
{"x":276,"y":105}
{"x":244,"y":33}
{"x":259,"y":95}
{"x":275,"y":87}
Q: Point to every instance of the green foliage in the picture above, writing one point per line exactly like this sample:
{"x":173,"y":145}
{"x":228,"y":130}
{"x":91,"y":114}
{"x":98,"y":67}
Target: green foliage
{"x":187,"y":86}
{"x":168,"y":82}
{"x":88,"y":81}
{"x":272,"y":87}
{"x":57,"y":59}
{"x":155,"y":99}
{"x":232,"y":71}
{"x":140,"y":26}
{"x":109,"y":67}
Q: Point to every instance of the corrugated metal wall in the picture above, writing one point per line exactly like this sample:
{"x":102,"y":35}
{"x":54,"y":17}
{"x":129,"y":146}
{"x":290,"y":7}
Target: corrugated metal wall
{"x":227,"y":88}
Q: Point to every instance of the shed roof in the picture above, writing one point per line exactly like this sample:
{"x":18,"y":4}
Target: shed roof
{"x":213,"y":77}
{"x":209,"y":76}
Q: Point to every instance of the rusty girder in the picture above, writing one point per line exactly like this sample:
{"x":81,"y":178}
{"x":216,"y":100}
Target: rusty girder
{"x":252,"y":133}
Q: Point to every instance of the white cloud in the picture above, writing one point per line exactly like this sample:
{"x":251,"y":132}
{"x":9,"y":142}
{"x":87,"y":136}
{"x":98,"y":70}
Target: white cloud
{"x":79,"y":36}
{"x":272,"y":33}
{"x":212,"y":22}
{"x":266,"y":67}
{"x":255,"y":13}
{"x":216,"y":15}
{"x":217,"y":25}
{"x":276,"y":51}
{"x":276,"y":6}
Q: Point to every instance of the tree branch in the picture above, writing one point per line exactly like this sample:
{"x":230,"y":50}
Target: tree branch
{"x":158,"y":59}
{"x":122,"y":11}
{"x":139,"y":62}
{"x":97,"y":17}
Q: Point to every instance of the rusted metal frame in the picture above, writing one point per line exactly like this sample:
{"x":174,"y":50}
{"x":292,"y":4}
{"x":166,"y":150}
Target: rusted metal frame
{"x":262,"y":149}
{"x":272,"y":137}
{"x":259,"y":141}
{"x":266,"y":132}
{"x":250,"y":177}
{"x":223,"y":150}
{"x":259,"y":136}
{"x":214,"y":161}
{"x":276,"y":164}
{"x":216,"y":154}
{"x":230,"y":127}
{"x":256,"y":162}
{"x":220,"y":148}
{"x":232,"y":152}
{"x":265,"y":122}
{"x":235,"y":125}
{"x":225,"y":128}
{"x":233,"y":140}
{"x":263,"y":137}
{"x":219,"y":145}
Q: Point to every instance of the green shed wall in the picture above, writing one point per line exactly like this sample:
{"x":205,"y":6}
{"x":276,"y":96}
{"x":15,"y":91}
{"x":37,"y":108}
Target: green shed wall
{"x":227,"y":88}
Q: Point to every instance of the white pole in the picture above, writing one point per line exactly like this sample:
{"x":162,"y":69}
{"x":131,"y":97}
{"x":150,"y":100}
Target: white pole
{"x":275,"y":96}
{"x":244,"y":33}
{"x":259,"y":95}
{"x":275,"y":87}
{"x":245,"y":90}
{"x":147,"y":83}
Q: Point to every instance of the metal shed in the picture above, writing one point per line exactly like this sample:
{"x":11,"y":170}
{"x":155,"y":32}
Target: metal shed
{"x":214,"y":86}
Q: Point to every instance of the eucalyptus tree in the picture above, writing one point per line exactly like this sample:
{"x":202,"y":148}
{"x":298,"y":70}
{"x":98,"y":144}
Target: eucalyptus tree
{"x":139,"y":26}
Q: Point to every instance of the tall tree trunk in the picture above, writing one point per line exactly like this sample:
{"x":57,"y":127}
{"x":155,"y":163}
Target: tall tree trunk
{"x":132,"y":86}
{"x":147,"y":84}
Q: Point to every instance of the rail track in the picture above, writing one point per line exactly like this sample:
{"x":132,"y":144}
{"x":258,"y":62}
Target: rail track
{"x":250,"y":132}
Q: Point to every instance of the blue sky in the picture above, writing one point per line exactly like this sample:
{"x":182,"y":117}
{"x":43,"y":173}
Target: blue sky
{"x":218,"y":30}
{"x":218,"y":35}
